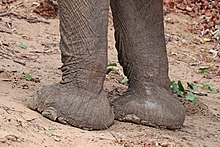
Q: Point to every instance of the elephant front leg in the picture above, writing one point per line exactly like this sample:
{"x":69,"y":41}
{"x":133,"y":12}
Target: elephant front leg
{"x":140,"y":42}
{"x":79,"y":99}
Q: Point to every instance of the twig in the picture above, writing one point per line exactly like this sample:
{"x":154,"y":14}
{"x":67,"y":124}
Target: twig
{"x":5,"y":14}
{"x":20,"y":62}
{"x":4,"y":55}
{"x":10,"y":57}
{"x":190,"y":56}
{"x":200,"y":94}
{"x":2,"y":31}
{"x":30,"y":20}
{"x":110,"y":132}
{"x":6,"y":108}
{"x":12,"y":138}
{"x":36,"y":21}
{"x":169,"y":39}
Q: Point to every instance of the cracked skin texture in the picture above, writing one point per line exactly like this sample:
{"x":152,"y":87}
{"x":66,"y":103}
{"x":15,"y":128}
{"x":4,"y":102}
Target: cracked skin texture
{"x":79,"y":99}
{"x":49,"y":102}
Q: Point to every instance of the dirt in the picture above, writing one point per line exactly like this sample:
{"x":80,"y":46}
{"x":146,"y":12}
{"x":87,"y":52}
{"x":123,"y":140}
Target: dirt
{"x":33,"y":48}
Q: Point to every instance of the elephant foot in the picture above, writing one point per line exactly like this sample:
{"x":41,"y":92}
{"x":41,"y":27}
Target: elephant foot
{"x":152,"y":106}
{"x":74,"y":106}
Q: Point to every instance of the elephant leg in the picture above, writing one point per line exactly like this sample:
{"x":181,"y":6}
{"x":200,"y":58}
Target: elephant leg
{"x":140,"y":42}
{"x":79,"y":99}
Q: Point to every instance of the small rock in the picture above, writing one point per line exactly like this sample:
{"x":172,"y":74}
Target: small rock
{"x":217,"y":35}
{"x":188,"y":9}
{"x":2,"y":70}
{"x":218,"y":73}
{"x":57,"y":139}
{"x":184,"y":41}
{"x":214,"y":53}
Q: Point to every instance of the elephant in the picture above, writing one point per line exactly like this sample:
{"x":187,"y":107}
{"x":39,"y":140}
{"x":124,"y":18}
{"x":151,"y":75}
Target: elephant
{"x":79,"y":99}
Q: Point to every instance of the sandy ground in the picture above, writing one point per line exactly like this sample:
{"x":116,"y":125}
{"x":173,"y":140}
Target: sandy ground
{"x":22,"y":127}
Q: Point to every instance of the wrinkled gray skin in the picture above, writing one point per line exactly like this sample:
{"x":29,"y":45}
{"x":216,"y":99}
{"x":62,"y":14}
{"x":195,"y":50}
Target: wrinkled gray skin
{"x":79,"y":99}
